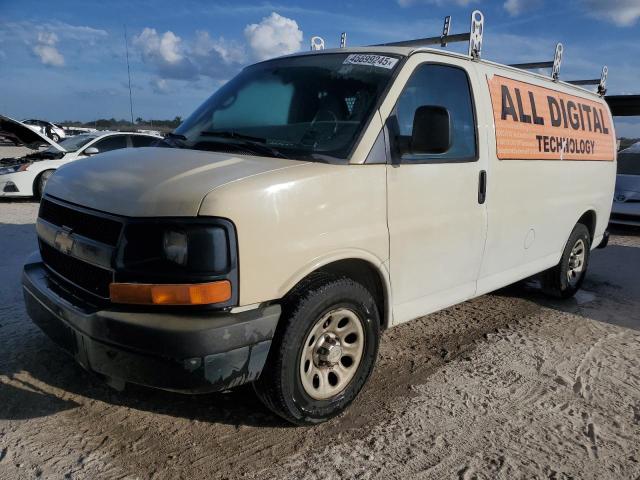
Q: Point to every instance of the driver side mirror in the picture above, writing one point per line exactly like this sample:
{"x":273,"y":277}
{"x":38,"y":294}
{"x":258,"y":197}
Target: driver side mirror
{"x":91,"y":151}
{"x":431,"y":130}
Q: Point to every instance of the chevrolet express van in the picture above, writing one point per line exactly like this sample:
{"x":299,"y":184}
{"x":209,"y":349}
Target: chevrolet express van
{"x":312,"y":202}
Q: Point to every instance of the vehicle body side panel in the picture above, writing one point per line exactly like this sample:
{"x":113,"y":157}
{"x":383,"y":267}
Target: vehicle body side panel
{"x":437,"y":227}
{"x":534,"y":204}
{"x":293,"y":221}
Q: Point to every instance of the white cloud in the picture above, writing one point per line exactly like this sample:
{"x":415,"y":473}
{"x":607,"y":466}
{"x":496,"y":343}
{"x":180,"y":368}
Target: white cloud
{"x":623,"y":13}
{"x":275,"y":35}
{"x":517,"y":7}
{"x":160,"y":86}
{"x":229,"y":52}
{"x":165,"y":53}
{"x":45,"y":48}
{"x":171,"y":57}
{"x":165,"y":47}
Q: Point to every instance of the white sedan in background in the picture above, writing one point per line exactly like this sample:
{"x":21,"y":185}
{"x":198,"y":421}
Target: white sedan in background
{"x":51,"y":130}
{"x":27,"y":176}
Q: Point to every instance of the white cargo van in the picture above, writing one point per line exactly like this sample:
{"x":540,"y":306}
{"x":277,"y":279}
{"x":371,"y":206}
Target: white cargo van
{"x":312,"y":202}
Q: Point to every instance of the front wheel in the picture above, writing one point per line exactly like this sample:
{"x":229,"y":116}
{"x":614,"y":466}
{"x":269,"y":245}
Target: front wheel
{"x":566,"y":278}
{"x":323,"y":352}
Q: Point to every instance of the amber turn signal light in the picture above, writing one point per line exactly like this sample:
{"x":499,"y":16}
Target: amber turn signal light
{"x":171,"y":294}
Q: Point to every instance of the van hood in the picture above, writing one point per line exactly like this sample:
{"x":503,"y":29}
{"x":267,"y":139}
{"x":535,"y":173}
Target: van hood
{"x":19,"y":132}
{"x":154,"y":182}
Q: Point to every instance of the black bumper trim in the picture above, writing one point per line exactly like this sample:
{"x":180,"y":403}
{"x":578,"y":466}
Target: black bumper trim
{"x":189,"y":352}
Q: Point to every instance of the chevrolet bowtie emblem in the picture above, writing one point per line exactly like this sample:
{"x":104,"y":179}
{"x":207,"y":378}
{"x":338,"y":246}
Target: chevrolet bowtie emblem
{"x":64,"y":241}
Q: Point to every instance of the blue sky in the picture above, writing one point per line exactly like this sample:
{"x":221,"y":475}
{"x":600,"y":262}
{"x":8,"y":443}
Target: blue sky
{"x":68,"y":62}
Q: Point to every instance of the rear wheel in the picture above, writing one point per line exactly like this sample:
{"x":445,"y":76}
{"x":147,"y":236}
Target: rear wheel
{"x":55,"y":137}
{"x":40,"y":183}
{"x":323,"y":352}
{"x":566,"y":278}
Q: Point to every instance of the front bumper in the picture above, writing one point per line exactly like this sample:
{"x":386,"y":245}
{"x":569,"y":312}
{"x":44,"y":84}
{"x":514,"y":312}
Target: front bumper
{"x":193,"y":352}
{"x":18,"y":184}
{"x":625,"y":213}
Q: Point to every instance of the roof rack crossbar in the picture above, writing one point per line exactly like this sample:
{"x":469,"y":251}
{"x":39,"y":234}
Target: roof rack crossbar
{"x":554,"y":64}
{"x":421,"y":42}
{"x":532,"y":65}
{"x":474,"y":36}
{"x":593,"y":81}
{"x":601,"y":82}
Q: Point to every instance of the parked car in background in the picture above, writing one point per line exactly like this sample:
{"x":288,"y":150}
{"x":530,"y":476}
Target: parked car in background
{"x":71,"y":131}
{"x":27,"y":176}
{"x":51,"y":130}
{"x":626,"y":200}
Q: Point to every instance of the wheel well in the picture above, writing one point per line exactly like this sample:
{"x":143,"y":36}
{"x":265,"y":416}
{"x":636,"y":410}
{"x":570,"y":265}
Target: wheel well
{"x":36,"y":181}
{"x":364,"y":273}
{"x":588,"y":219}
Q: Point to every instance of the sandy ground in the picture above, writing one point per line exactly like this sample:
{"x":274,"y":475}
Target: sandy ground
{"x":509,"y":385}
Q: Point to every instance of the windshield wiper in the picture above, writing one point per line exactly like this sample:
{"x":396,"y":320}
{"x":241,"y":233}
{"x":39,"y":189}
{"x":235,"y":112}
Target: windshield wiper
{"x":257,"y":144}
{"x":174,"y":140}
{"x":175,"y":135}
{"x":234,"y":135}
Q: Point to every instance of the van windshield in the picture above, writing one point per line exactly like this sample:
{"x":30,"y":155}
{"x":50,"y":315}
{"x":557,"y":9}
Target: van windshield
{"x":310,"y":107}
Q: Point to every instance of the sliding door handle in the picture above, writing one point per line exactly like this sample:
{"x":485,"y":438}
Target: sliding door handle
{"x":482,"y":187}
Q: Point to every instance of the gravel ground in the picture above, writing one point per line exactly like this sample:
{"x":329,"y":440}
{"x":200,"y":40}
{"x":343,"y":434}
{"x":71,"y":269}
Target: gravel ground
{"x":504,"y":386}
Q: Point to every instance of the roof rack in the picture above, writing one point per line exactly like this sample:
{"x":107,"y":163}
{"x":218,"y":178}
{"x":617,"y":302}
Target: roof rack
{"x":601,"y":82}
{"x":473,"y":36}
{"x":554,"y":64}
{"x":317,"y":43}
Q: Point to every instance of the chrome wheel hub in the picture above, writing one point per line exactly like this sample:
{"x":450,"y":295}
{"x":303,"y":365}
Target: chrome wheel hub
{"x":576,"y":262}
{"x":332,"y":353}
{"x":327,"y":351}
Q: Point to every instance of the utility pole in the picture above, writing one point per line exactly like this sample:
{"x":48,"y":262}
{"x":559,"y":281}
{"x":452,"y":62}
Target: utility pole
{"x":126,"y":47}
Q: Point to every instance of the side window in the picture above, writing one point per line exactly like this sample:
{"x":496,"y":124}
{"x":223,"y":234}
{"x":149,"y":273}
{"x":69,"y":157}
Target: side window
{"x":142,"y":141}
{"x":441,"y":86}
{"x":113,"y":142}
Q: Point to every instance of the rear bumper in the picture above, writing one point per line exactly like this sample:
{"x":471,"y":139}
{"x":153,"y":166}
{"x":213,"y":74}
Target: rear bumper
{"x":193,"y":352}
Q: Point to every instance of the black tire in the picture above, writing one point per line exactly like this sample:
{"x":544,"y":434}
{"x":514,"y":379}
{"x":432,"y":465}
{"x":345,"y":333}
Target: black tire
{"x":41,"y":181}
{"x":556,"y":281}
{"x":280,"y":386}
{"x":55,"y":137}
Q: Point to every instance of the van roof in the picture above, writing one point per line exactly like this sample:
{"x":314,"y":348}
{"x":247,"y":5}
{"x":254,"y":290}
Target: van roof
{"x":408,"y":51}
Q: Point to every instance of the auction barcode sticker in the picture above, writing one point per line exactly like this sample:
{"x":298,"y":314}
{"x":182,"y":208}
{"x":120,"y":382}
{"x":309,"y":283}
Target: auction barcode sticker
{"x":373,"y":60}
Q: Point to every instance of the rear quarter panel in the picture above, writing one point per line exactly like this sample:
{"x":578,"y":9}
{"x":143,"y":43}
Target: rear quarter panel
{"x":533,"y":204}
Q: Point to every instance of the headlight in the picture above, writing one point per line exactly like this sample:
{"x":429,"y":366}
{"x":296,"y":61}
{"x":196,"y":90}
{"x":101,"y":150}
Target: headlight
{"x":176,"y":246}
{"x":199,"y":248}
{"x":181,"y":251}
{"x":174,"y":249}
{"x":14,"y":168}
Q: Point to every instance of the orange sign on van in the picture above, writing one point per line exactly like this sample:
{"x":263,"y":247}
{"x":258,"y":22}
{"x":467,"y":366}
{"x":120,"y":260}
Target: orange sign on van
{"x":537,"y":123}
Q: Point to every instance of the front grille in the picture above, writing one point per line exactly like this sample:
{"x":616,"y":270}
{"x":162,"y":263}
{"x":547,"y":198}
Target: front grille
{"x":93,"y":279}
{"x":96,"y":227}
